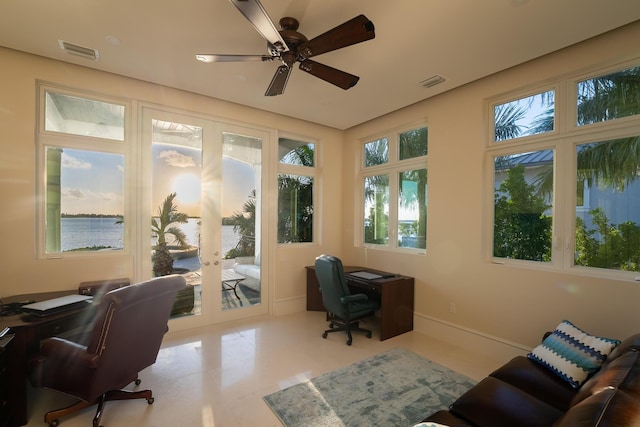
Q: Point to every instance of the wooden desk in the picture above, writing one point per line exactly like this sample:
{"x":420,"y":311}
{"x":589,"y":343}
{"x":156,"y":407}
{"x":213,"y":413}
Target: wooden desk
{"x":28,"y":331}
{"x":396,"y":296}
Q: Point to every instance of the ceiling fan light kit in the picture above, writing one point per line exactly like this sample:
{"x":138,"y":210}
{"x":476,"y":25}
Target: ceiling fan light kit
{"x":289,"y":46}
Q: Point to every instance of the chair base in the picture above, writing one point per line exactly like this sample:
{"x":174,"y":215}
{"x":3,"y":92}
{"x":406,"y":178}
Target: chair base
{"x":337,"y":325}
{"x":52,"y":417}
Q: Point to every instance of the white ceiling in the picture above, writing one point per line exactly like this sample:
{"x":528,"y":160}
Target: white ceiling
{"x":461,"y":40}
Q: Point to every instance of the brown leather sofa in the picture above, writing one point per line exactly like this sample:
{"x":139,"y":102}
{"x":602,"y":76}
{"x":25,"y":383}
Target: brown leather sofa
{"x":524,"y":393}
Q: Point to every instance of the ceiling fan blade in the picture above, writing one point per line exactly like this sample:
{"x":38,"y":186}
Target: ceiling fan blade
{"x":329,"y":74}
{"x":233,"y":58}
{"x":257,"y":15}
{"x":279,"y":81}
{"x":354,"y":31}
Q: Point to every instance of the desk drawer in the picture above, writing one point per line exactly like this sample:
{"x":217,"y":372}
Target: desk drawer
{"x":64,"y":327}
{"x":4,"y":390}
{"x":363,"y":286}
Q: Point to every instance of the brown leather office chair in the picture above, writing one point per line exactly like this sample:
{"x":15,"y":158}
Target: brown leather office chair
{"x":129,"y":325}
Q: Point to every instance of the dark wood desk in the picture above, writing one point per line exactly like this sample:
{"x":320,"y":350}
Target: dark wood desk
{"x":28,"y":331}
{"x":396,"y":295}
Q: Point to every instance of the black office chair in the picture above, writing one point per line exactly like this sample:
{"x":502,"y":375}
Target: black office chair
{"x":344,"y":310}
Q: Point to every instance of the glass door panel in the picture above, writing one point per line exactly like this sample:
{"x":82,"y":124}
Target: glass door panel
{"x":242,"y":280}
{"x":178,"y":168}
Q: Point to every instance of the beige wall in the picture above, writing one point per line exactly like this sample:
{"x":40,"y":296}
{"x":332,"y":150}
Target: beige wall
{"x":513,"y":304}
{"x":24,"y":273}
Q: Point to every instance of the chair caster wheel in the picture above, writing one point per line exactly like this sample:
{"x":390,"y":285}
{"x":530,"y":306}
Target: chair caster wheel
{"x":368,"y":334}
{"x":349,"y":341}
{"x":151,"y":400}
{"x":138,"y":381}
{"x":54,"y":423}
{"x":324,"y":335}
{"x":331,"y":326}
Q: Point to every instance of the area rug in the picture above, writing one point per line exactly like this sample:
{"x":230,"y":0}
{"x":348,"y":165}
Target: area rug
{"x":395,"y":388}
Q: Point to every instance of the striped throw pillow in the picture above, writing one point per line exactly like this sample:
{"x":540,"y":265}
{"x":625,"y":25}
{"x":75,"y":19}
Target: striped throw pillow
{"x":572,"y":353}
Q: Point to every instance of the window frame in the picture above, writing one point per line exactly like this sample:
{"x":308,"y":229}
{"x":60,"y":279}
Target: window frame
{"x":52,"y":139}
{"x":563,"y":140}
{"x":392,"y":168}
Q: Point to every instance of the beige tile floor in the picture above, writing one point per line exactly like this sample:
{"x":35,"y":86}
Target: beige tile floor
{"x":217,"y":375}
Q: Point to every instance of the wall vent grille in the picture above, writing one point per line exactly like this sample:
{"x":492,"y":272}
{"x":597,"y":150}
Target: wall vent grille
{"x":432,"y":81}
{"x":74,"y":49}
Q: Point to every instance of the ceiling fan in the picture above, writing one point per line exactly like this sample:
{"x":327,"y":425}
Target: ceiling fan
{"x":289,"y":46}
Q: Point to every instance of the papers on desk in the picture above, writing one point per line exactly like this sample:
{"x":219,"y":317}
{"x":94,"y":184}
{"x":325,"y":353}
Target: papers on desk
{"x":56,"y":305}
{"x":366,"y":275}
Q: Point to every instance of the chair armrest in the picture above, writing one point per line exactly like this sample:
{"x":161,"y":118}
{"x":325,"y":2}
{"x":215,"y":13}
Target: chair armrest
{"x":60,"y":350}
{"x":353,"y":298}
{"x":60,"y":358}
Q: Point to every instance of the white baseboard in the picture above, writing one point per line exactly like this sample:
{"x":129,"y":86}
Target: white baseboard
{"x":289,"y":306}
{"x":490,"y":346}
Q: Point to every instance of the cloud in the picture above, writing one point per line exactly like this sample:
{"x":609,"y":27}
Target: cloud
{"x":74,"y":194}
{"x":74,"y":163}
{"x":173,"y":158}
{"x":82,"y":194}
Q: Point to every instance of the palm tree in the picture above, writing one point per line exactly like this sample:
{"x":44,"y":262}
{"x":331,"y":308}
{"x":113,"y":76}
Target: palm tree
{"x":295,"y":198}
{"x":162,"y":227}
{"x":506,"y":118}
{"x":614,"y":163}
{"x":414,"y":144}
{"x":302,"y":156}
{"x":295,"y":208}
{"x":244,"y":224}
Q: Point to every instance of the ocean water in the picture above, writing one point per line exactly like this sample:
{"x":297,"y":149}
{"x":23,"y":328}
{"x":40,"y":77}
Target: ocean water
{"x":79,"y":233}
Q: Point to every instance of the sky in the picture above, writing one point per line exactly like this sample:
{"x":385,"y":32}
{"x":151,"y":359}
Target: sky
{"x":93,"y":182}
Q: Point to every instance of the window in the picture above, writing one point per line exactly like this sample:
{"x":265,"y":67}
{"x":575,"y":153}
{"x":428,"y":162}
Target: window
{"x":526,"y":116}
{"x":82,"y":159}
{"x":607,"y":233}
{"x":295,"y":191}
{"x":607,"y":97}
{"x":522,"y":214}
{"x":376,"y":208}
{"x":394,"y":179}
{"x":534,"y":179}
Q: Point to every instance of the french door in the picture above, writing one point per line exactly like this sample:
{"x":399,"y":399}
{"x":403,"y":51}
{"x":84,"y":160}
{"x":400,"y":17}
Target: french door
{"x":203,"y":193}
{"x":242,"y":248}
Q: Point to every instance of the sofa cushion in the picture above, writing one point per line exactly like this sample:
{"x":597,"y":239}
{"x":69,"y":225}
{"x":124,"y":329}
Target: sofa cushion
{"x":631,"y":343}
{"x":495,"y":403}
{"x":573,"y":354}
{"x":622,"y":373}
{"x":608,"y":408}
{"x":536,"y":380}
{"x":248,"y":270}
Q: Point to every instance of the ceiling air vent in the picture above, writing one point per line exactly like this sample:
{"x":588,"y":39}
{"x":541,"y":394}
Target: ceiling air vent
{"x":74,"y":49}
{"x":432,"y":81}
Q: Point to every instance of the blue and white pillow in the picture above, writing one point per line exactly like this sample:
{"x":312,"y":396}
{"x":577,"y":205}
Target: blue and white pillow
{"x":572,"y":353}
